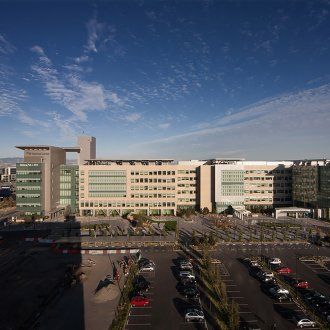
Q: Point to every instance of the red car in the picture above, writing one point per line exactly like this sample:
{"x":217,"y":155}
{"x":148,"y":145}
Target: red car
{"x":139,"y":301}
{"x":301,"y":284}
{"x":284,"y":270}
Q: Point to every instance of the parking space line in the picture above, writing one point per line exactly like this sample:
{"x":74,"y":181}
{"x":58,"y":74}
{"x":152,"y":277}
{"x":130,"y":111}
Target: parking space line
{"x":145,"y":315}
{"x":231,"y":291}
{"x":139,"y":324}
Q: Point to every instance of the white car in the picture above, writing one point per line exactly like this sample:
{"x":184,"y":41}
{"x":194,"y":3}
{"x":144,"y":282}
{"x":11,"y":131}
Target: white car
{"x":275,"y":261}
{"x":186,"y":265}
{"x":194,"y":315}
{"x":147,"y":268}
{"x":305,"y":323}
{"x":186,"y":274}
{"x":278,"y":290}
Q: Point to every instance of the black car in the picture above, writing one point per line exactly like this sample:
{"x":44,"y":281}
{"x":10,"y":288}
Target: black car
{"x":190,"y":292}
{"x":140,"y":283}
{"x":254,"y":271}
{"x":281,"y":297}
{"x":187,"y":281}
{"x":265,"y":287}
{"x":181,"y":287}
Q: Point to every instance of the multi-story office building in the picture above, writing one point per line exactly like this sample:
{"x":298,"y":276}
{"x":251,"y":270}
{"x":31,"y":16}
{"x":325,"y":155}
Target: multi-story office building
{"x":38,"y":177}
{"x":45,"y":184}
{"x":323,"y":196}
{"x":149,"y":186}
{"x":69,"y":187}
{"x":254,"y":185}
{"x":267,"y":184}
{"x":8,"y":174}
{"x":311,"y":186}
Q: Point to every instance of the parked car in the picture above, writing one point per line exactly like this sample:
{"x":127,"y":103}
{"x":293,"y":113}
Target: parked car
{"x":282,"y":297}
{"x":254,"y":271}
{"x":305,"y":323}
{"x":194,"y":315}
{"x":145,"y":261}
{"x":190,"y":292}
{"x":140,"y":283}
{"x":275,"y":261}
{"x":300,"y":284}
{"x":140,"y":301}
{"x":186,"y":281}
{"x":147,"y":268}
{"x":187,"y":274}
{"x":278,"y":290}
{"x":284,"y":270}
{"x":186,"y":265}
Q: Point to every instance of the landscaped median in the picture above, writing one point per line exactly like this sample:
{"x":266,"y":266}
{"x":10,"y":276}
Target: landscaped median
{"x":122,"y":311}
{"x":224,"y":313}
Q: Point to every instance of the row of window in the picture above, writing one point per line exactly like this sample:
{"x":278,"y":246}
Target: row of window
{"x":153,"y":195}
{"x":28,"y":172}
{"x":106,"y":187}
{"x":104,"y":194}
{"x":133,"y":188}
{"x":103,"y":173}
{"x":145,"y":180}
{"x":125,"y":204}
{"x":105,"y":179}
{"x":288,"y":171}
{"x":276,"y":191}
{"x":28,"y":180}
{"x":22,"y":188}
{"x":186,"y":178}
{"x":186,"y":200}
{"x":152,"y":172}
{"x":183,"y":192}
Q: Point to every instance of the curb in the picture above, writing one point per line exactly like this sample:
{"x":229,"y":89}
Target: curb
{"x":96,"y":252}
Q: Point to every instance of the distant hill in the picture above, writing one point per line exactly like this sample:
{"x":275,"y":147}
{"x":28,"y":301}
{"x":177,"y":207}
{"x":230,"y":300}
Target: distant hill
{"x":10,"y":160}
{"x":13,"y":160}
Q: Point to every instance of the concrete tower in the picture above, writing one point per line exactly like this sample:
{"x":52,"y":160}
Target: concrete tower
{"x":87,"y":146}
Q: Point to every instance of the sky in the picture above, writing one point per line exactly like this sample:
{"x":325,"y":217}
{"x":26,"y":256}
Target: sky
{"x":172,"y":79}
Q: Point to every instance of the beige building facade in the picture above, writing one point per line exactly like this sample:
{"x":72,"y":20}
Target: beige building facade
{"x":267,"y":184}
{"x":157,"y":187}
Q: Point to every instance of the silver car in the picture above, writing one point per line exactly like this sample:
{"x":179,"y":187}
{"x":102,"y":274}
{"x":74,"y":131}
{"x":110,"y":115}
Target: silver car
{"x":194,"y":315}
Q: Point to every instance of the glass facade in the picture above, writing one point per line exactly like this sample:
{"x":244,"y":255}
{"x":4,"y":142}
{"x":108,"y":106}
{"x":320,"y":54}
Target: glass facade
{"x":28,"y":188}
{"x":69,"y":187}
{"x":110,"y":183}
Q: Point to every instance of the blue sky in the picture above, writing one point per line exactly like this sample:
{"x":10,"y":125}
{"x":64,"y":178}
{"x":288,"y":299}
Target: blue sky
{"x":185,"y":79}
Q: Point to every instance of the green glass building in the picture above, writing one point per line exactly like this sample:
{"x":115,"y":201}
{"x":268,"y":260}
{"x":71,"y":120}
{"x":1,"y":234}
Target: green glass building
{"x":29,"y":188}
{"x":69,"y":187}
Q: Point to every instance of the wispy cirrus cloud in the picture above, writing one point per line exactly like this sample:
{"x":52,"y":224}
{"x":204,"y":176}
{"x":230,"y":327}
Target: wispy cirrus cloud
{"x":282,"y":118}
{"x":78,"y":95}
{"x":5,"y":46}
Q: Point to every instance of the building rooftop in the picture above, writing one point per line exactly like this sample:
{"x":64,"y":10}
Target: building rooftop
{"x":45,"y":147}
{"x":157,"y":161}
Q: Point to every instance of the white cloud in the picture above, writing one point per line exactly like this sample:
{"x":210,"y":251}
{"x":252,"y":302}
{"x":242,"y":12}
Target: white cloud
{"x":82,"y":59}
{"x":133,"y":117}
{"x":278,"y":127}
{"x":94,"y":29}
{"x":38,"y":50}
{"x":5,"y":46}
{"x":164,"y":125}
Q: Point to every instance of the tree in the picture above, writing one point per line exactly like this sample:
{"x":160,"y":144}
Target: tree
{"x":205,"y":211}
{"x":233,"y":316}
{"x":67,"y":212}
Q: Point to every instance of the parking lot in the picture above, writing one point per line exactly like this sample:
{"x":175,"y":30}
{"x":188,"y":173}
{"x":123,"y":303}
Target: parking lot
{"x":166,"y":310}
{"x":246,"y":290}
